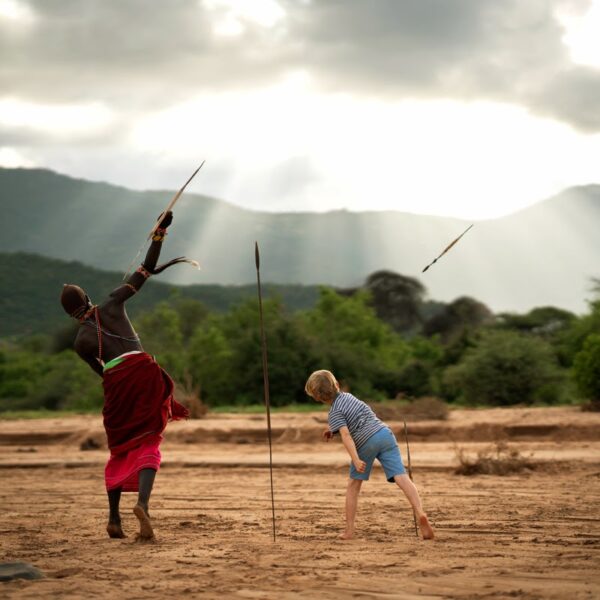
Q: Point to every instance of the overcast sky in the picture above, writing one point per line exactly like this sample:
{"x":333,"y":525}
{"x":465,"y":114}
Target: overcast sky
{"x":467,"y":108}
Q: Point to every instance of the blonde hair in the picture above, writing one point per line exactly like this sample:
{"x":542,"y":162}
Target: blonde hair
{"x":322,"y":385}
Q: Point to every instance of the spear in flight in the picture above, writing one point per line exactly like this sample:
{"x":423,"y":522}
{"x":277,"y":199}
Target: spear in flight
{"x":410,"y":473}
{"x":265,"y":366}
{"x":446,"y":249}
{"x":162,"y":214}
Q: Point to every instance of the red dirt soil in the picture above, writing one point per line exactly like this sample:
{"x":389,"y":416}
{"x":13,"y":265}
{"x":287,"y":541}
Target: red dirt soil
{"x":531,"y":535}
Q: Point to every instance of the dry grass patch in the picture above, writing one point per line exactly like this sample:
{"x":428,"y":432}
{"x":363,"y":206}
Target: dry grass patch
{"x":189,"y":395}
{"x":591,"y":406}
{"x":498,"y":459}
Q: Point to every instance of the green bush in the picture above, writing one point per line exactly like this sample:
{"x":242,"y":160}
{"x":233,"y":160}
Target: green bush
{"x":62,"y":381}
{"x":586,"y":368}
{"x":19,"y":373}
{"x":160,"y":331}
{"x":572,"y":339}
{"x":210,"y":363}
{"x":362,"y":351}
{"x":70,"y":385}
{"x":507,"y":368}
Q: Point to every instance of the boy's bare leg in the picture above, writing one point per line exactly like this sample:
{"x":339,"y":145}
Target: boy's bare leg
{"x":412,"y":494}
{"x":140,"y":510}
{"x":352,"y":492}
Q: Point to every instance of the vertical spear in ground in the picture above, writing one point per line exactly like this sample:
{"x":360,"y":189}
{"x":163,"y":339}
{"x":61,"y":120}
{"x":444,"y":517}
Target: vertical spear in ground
{"x":410,"y":473}
{"x":265,"y":365}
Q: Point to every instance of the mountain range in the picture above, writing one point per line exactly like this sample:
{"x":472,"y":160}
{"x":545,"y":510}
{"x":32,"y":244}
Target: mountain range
{"x":543,"y":255}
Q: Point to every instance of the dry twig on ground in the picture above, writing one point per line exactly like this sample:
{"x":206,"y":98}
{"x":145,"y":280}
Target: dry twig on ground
{"x":189,"y":395}
{"x":499,"y":459}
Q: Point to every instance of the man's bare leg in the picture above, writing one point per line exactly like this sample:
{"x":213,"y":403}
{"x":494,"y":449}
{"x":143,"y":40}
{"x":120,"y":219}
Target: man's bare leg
{"x":352,"y":492}
{"x":113,"y":528}
{"x":140,"y":510}
{"x":412,"y":494}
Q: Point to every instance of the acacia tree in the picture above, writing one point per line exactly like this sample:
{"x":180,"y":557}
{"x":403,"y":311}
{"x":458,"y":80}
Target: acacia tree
{"x":460,"y":315}
{"x":396,"y":298}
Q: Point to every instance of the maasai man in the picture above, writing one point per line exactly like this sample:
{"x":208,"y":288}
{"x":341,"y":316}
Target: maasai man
{"x":138,"y":394}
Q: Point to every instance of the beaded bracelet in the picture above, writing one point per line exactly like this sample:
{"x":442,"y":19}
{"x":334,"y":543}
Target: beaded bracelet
{"x":142,"y":271}
{"x":159,"y":235}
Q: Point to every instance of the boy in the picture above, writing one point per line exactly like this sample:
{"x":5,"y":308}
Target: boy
{"x":366,"y":438}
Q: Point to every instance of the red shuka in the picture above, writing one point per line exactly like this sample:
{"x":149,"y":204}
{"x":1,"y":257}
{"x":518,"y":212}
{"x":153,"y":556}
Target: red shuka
{"x":138,"y":401}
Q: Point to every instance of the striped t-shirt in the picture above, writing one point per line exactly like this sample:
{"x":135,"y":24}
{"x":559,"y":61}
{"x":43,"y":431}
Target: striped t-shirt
{"x":361,"y":421}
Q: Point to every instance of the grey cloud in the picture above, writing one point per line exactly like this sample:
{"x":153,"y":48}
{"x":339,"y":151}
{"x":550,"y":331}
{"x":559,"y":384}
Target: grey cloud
{"x":285,"y":186}
{"x":130,"y":52}
{"x":140,"y":55}
{"x":27,"y":137}
{"x":505,"y":50}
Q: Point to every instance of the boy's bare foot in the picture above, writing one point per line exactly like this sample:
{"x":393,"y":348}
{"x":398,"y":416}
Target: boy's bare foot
{"x":146,"y":531}
{"x":425,"y":527}
{"x":346,"y":536}
{"x":114,"y":530}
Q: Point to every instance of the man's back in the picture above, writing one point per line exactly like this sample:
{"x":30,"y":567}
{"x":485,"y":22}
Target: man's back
{"x":118,"y":335}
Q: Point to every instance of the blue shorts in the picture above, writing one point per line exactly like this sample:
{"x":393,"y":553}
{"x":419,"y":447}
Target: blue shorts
{"x":383,"y":447}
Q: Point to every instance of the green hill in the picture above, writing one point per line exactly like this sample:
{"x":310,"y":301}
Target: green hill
{"x":543,"y":255}
{"x":31,"y":287}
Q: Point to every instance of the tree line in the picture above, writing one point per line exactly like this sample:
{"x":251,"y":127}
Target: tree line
{"x":383,"y":341}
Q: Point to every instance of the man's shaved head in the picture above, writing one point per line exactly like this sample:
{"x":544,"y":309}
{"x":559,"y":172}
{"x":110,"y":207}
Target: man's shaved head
{"x":74,"y":300}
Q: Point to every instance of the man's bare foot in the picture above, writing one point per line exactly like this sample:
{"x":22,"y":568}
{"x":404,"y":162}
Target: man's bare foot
{"x":425,"y":527}
{"x":114,"y":530}
{"x":346,"y":536}
{"x":146,"y":531}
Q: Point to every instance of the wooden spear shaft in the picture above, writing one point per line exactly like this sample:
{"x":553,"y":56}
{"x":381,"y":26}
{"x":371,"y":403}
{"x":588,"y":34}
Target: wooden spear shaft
{"x":164,"y":212}
{"x":446,"y":249}
{"x":410,"y":473}
{"x":265,"y":366}
{"x":173,"y":201}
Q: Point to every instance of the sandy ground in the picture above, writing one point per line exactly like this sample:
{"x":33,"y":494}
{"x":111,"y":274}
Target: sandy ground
{"x":531,"y":535}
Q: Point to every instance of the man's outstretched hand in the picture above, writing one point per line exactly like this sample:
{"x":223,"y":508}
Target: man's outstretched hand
{"x":165,"y":220}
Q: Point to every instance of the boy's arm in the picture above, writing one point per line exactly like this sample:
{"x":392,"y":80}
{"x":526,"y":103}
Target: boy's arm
{"x":138,"y":278}
{"x":348,"y":442}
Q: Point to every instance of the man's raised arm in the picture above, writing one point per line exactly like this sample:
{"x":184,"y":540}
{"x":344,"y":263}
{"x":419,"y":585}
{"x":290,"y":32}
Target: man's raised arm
{"x":137,"y":279}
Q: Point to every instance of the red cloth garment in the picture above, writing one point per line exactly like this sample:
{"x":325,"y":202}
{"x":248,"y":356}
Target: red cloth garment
{"x":122,"y":469}
{"x":138,"y":404}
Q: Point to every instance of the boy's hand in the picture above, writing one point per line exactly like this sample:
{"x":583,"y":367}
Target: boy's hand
{"x":327,"y":435}
{"x":360,"y":465}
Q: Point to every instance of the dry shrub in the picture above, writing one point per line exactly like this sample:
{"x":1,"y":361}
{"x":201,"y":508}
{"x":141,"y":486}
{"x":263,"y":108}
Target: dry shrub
{"x":498,"y":459}
{"x":591,"y":406}
{"x":92,"y":442}
{"x":189,"y":395}
{"x":422,"y":409}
